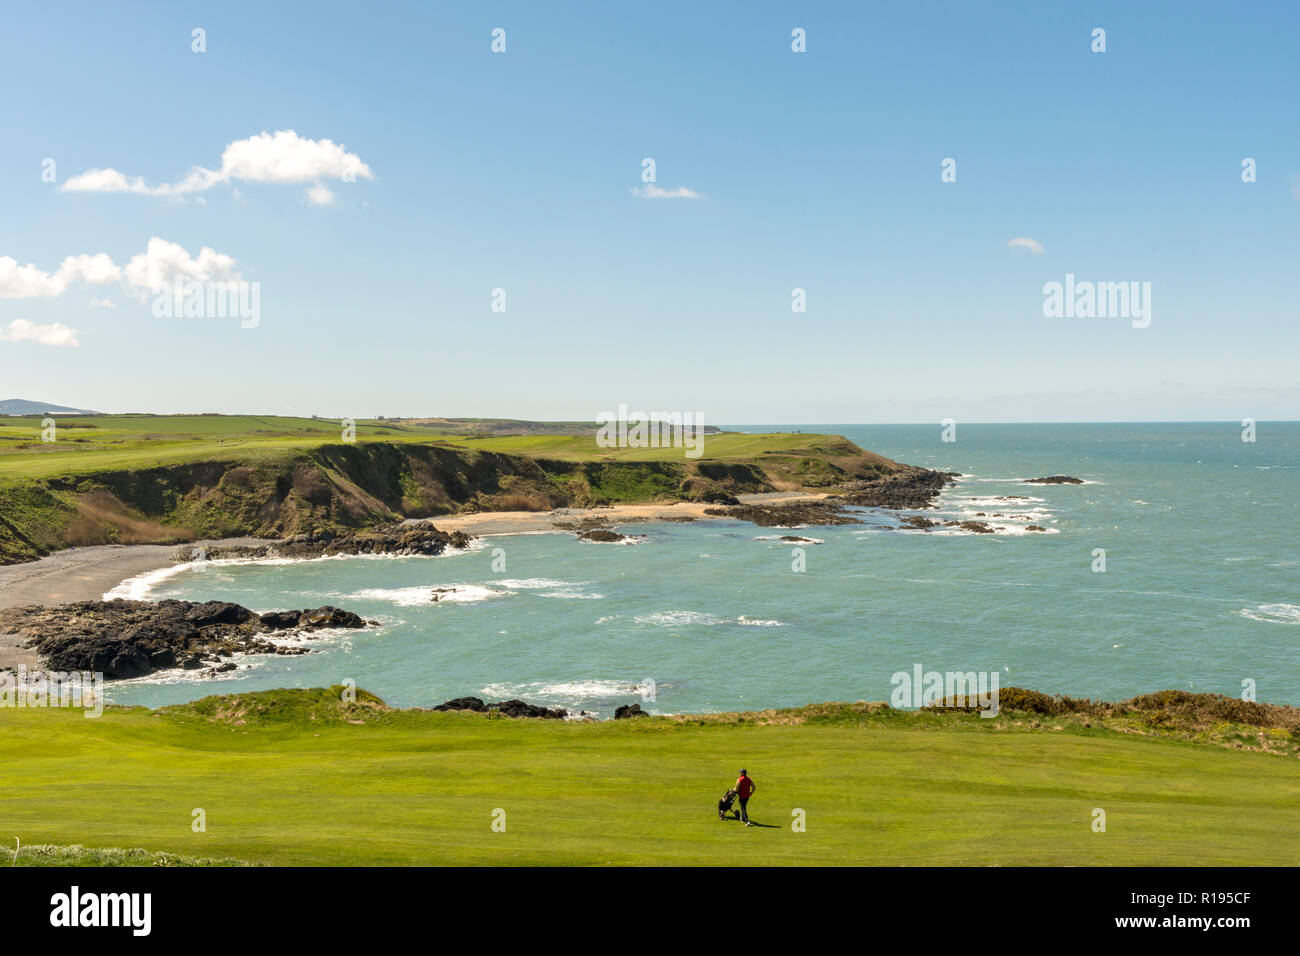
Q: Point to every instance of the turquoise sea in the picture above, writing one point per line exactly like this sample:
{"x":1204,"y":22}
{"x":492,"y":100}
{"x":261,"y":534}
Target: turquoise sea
{"x":1201,"y":589}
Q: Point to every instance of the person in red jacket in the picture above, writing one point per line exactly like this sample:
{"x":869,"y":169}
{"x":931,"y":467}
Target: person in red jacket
{"x":744,"y":790}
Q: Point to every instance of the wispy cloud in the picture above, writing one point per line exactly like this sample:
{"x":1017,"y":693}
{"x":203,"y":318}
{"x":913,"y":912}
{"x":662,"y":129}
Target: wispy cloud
{"x":1023,"y":242}
{"x":651,"y":191}
{"x":55,"y":334}
{"x":280,"y":157}
{"x":103,"y":304}
{"x":320,"y":195}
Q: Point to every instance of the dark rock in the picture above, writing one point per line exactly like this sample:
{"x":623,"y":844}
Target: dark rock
{"x":1035,"y":527}
{"x":463,"y":703}
{"x":517,"y":708}
{"x":919,"y":522}
{"x":328,"y":616}
{"x":907,"y":489}
{"x":122,"y":639}
{"x":507,"y":708}
{"x":162,"y":658}
{"x":218,"y":612}
{"x":789,"y":515}
{"x":628,"y":711}
{"x":1053,"y":480}
{"x":280,"y":620}
{"x":601,"y":534}
{"x":403,"y":539}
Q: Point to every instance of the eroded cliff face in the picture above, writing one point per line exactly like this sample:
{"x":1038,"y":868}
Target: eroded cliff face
{"x":343,"y":486}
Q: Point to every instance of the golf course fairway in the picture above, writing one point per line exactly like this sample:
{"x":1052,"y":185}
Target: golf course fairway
{"x":297,"y":778}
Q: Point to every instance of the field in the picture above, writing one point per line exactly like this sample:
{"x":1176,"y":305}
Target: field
{"x":86,"y":444}
{"x":295,"y":777}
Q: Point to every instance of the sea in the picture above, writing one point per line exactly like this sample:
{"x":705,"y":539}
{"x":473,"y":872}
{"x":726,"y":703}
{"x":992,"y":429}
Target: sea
{"x":1175,"y":565}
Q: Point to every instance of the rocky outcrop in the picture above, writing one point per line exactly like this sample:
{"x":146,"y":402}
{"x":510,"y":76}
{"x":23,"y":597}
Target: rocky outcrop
{"x":393,"y":539}
{"x":1053,"y":480}
{"x":906,"y":489}
{"x":464,"y":703}
{"x":604,"y":534}
{"x":922,"y":523}
{"x":792,"y":515}
{"x":919,"y":522}
{"x":123,"y":639}
{"x":629,"y":710}
{"x":508,"y":708}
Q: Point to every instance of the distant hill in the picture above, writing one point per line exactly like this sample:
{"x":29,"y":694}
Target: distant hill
{"x":21,"y":406}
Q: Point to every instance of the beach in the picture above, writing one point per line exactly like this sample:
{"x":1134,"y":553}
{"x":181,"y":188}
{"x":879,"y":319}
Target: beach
{"x":86,"y":574}
{"x":536,"y":522}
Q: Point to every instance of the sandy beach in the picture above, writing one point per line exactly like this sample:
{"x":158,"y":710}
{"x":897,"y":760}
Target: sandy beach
{"x":85,"y":574}
{"x":535,"y":522}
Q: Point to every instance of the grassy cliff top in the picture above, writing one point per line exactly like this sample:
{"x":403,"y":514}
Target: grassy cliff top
{"x":88,"y":444}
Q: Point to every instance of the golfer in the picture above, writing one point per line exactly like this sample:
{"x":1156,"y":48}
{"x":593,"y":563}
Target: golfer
{"x":744,"y":790}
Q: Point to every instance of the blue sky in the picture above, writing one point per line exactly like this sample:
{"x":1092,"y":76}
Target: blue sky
{"x":518,"y":170}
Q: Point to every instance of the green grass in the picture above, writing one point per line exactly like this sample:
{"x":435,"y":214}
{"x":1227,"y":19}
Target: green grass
{"x":43,"y":854}
{"x":87,"y":444}
{"x":293,"y":777}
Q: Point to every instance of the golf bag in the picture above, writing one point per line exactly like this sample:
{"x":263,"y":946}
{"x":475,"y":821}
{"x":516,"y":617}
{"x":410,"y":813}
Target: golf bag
{"x":725,"y":804}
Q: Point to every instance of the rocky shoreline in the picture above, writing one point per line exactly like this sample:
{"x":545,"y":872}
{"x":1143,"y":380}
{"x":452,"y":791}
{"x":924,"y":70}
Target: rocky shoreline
{"x":399,"y":540}
{"x":124,"y":639}
{"x":519,"y":708}
{"x":910,"y":489}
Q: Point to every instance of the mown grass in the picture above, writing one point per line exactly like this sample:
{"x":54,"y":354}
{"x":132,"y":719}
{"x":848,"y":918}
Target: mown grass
{"x":297,"y":777}
{"x":87,"y":444}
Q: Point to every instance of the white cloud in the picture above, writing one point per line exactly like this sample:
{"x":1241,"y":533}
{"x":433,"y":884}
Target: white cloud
{"x":149,"y":270}
{"x":651,"y":191}
{"x":103,"y":304}
{"x":29,"y":282}
{"x":162,"y":261}
{"x":1033,"y":245}
{"x":279,"y":157}
{"x":95,"y":270}
{"x":319,"y":195}
{"x":105,"y":181}
{"x":285,"y":157}
{"x":57,"y":334}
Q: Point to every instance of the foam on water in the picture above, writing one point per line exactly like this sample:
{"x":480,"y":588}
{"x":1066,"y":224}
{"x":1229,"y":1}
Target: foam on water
{"x":418,"y":596}
{"x":1273,"y":613}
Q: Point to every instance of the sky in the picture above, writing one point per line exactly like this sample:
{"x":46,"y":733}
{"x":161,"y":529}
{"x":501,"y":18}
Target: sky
{"x":376,"y":171}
